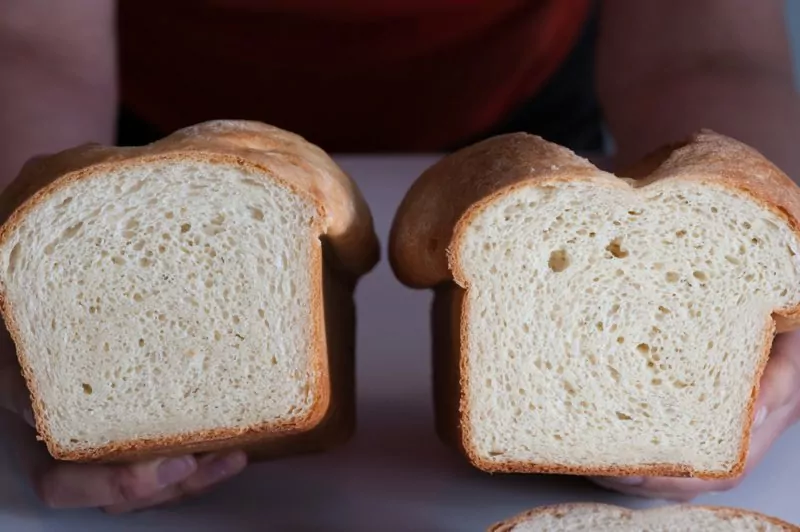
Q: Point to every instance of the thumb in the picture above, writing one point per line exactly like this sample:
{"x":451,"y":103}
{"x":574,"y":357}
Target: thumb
{"x":779,"y":393}
{"x":14,"y":395}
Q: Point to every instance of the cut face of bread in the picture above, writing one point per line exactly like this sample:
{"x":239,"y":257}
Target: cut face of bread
{"x":167,"y":300}
{"x":615,"y":327}
{"x":589,"y":324}
{"x":606,"y":518}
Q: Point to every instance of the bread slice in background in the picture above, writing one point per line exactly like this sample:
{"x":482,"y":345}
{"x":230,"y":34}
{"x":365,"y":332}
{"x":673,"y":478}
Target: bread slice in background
{"x":190,"y":295}
{"x":608,"y":518}
{"x":590,"y":324}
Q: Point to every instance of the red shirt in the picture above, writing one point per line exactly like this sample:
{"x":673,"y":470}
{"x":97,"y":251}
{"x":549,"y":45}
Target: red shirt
{"x":349,"y":75}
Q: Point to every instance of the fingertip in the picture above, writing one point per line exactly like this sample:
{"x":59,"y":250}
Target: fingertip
{"x":226,"y":465}
{"x":173,"y":470}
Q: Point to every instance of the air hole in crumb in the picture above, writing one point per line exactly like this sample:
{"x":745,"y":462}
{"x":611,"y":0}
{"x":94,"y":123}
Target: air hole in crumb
{"x":13,"y":258}
{"x":700,"y":276}
{"x":141,"y":342}
{"x":185,"y":228}
{"x":623,"y":417}
{"x":599,"y":326}
{"x":620,"y":340}
{"x":559,"y":261}
{"x":72,"y":231}
{"x":257,"y":214}
{"x":87,"y":389}
{"x":119,"y":261}
{"x":643,"y":348}
{"x":592,"y":234}
{"x":616,"y":250}
{"x":681,"y":233}
{"x":663,"y":310}
{"x":672,"y":277}
{"x":656,"y":382}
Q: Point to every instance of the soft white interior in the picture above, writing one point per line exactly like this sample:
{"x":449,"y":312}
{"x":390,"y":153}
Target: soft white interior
{"x":165,"y":299}
{"x":665,"y":519}
{"x":613,"y":326}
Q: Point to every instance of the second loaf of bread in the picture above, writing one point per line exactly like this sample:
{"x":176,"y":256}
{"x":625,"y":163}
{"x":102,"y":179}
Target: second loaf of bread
{"x":590,"y":324}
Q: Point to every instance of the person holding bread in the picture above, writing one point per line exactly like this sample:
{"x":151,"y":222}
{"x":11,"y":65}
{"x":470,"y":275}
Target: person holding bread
{"x":397,"y":75}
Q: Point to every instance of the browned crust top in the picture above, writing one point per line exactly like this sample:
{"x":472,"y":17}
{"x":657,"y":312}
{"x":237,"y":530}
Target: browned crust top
{"x":286,"y":157}
{"x":425,"y":231}
{"x":561,"y":510}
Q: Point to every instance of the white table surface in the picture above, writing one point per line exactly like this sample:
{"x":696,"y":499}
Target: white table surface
{"x":394,"y":475}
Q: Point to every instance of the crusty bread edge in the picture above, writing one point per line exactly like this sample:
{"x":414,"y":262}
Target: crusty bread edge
{"x":563,"y":509}
{"x":721,"y":162}
{"x":41,"y":180}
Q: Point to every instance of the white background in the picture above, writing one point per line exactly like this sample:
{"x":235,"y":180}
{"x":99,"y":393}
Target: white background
{"x":394,"y":475}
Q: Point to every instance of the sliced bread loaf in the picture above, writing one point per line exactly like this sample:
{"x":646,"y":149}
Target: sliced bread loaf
{"x":607,"y":518}
{"x":189,"y":295}
{"x":590,"y":324}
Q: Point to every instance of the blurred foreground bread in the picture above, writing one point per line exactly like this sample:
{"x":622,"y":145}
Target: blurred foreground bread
{"x":588,"y":324}
{"x":607,"y":518}
{"x":190,"y":295}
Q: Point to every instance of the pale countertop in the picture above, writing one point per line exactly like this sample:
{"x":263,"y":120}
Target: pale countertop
{"x":394,"y":475}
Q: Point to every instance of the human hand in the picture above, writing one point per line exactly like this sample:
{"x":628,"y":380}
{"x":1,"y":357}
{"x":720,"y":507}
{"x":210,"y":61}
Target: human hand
{"x":777,"y":408}
{"x":112,"y":488}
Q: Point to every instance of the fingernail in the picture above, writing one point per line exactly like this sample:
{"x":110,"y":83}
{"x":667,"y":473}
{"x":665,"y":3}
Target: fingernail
{"x":761,"y":415}
{"x":226,"y":466}
{"x":174,"y":470}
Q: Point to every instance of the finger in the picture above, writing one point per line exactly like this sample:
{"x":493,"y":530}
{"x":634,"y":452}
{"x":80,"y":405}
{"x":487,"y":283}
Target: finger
{"x":211,"y":469}
{"x":780,"y":383}
{"x":163,"y":497}
{"x":14,"y":394}
{"x":67,"y":485}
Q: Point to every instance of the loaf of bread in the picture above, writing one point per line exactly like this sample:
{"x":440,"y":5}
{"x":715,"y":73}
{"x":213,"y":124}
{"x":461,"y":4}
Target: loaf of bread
{"x":585,"y":323}
{"x":607,"y":518}
{"x":191,"y":295}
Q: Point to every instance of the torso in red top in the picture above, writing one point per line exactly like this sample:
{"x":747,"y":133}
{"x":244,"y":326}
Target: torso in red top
{"x":348,"y":74}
